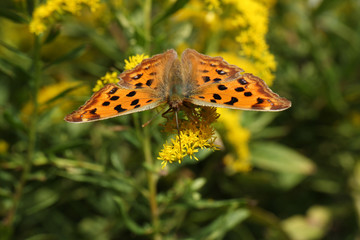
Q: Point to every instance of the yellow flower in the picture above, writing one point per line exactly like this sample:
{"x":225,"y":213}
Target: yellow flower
{"x":196,"y":133}
{"x":47,"y":13}
{"x":134,"y":60}
{"x":245,"y":21}
{"x":108,"y":78}
{"x":238,"y":137}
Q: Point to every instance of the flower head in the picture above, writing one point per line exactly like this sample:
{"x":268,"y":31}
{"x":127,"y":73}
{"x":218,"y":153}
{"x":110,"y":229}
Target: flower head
{"x":47,"y":13}
{"x":134,"y":61}
{"x":195,"y":133}
{"x":108,"y":78}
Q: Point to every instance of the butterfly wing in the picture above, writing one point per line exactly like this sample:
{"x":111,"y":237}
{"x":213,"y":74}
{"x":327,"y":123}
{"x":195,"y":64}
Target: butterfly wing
{"x":150,"y":73}
{"x":247,"y":92}
{"x":214,"y":82}
{"x":201,"y":70}
{"x":112,"y":101}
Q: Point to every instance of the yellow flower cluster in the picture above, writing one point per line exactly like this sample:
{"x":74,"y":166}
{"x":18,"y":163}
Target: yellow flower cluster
{"x":46,"y":13}
{"x":251,"y":23}
{"x":238,"y":137}
{"x":246,"y":21}
{"x":112,"y":77}
{"x":195,"y":133}
{"x":134,"y":61}
{"x":108,"y":78}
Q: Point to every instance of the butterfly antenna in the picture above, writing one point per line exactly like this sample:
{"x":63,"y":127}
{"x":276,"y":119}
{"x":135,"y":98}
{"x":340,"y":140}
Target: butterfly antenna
{"x":153,"y":117}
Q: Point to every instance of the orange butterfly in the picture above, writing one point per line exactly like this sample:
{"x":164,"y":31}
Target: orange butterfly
{"x":196,"y":79}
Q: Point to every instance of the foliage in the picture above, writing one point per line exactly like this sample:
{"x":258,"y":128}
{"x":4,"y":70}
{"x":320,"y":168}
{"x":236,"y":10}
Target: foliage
{"x":288,"y":175}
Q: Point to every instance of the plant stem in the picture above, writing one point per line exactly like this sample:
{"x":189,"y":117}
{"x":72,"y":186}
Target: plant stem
{"x":36,"y":72}
{"x":151,"y":176}
{"x":147,"y":25}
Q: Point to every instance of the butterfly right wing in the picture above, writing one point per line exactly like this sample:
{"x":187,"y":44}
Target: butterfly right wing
{"x":112,"y":101}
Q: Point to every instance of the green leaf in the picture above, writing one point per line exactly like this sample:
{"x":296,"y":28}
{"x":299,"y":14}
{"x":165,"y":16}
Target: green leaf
{"x":290,"y":166}
{"x":17,"y":57}
{"x":223,"y":224}
{"x":132,"y":225}
{"x":42,"y":199}
{"x":279,"y":158}
{"x":53,"y":33}
{"x":13,"y":16}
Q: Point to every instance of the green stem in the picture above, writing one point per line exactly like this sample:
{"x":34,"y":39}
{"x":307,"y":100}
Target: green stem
{"x":36,"y":72}
{"x":151,"y":176}
{"x":147,"y":25}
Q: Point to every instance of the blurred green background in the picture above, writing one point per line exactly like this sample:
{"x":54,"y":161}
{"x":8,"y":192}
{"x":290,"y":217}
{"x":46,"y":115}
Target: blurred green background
{"x":94,"y":181}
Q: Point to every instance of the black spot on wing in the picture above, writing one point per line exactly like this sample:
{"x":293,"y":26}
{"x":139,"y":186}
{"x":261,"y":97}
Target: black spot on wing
{"x":135,"y":102}
{"x":216,"y":96}
{"x":259,"y":100}
{"x":112,"y":91}
{"x":239,"y":89}
{"x":106,"y":103}
{"x":93,"y":111}
{"x":131,"y":94}
{"x":202,"y":97}
{"x":213,"y":100}
{"x":206,"y":78}
{"x":137,"y":76}
{"x":113,"y":98}
{"x":217,"y":79}
{"x":137,"y":106}
{"x":242,"y":81}
{"x":222,"y":87}
{"x":149,"y":82}
{"x":138,"y":85}
{"x":247,"y":94}
{"x":149,"y":101}
{"x":220,"y":71}
{"x":232,"y":101}
{"x":119,"y":108}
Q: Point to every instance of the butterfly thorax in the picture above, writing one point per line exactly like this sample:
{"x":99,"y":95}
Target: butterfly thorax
{"x":175,"y":86}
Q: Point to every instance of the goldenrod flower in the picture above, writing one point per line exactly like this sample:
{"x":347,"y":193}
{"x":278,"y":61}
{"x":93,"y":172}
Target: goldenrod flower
{"x":238,"y":137}
{"x":134,"y":60}
{"x":245,"y":21}
{"x":196,"y":133}
{"x":47,"y":13}
{"x":108,"y":78}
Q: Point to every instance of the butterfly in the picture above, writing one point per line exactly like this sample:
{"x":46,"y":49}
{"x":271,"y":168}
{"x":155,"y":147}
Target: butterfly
{"x":195,"y":79}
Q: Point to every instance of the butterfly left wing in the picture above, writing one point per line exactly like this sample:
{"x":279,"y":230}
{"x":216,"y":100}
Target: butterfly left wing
{"x":112,"y":101}
{"x":246,"y":92}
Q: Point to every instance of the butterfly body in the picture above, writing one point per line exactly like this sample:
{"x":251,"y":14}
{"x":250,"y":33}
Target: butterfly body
{"x":196,"y":78}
